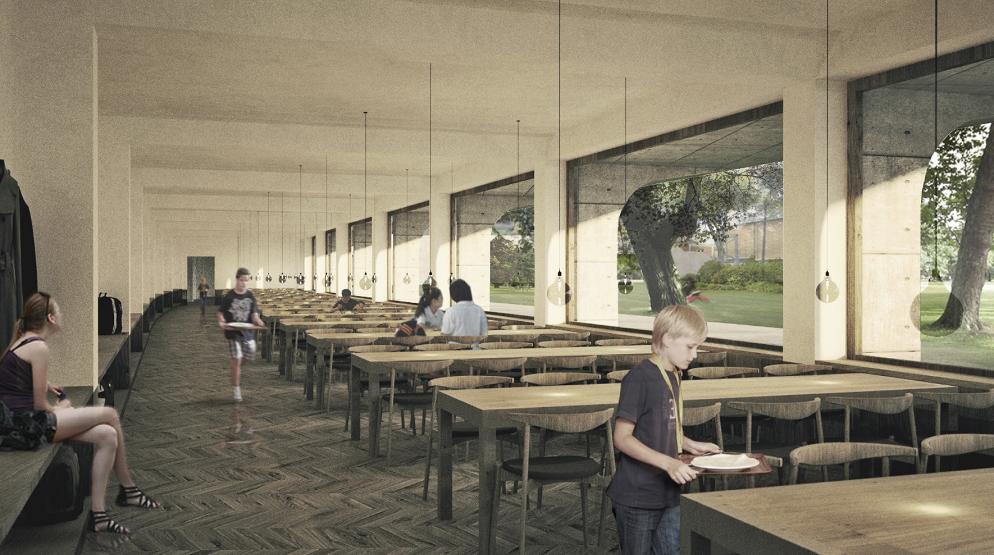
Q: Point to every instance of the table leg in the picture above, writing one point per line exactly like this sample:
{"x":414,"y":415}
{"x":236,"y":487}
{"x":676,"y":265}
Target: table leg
{"x":272,"y":342}
{"x":311,"y":362}
{"x":374,"y":415}
{"x":292,"y":360}
{"x":324,"y":375}
{"x":355,"y":394}
{"x":281,"y":346}
{"x":445,"y":465}
{"x":488,"y":473}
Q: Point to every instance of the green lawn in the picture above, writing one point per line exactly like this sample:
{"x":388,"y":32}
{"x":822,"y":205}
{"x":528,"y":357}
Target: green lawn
{"x":730,"y":307}
{"x":513,"y":295}
{"x":959,"y":348}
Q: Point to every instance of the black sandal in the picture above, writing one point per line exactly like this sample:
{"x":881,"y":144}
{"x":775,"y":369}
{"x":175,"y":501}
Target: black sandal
{"x":134,"y":497}
{"x":101,"y":518}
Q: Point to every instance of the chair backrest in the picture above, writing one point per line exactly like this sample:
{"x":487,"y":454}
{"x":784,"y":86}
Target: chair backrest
{"x":467,"y":339}
{"x":956,"y":444}
{"x":518,"y":327}
{"x":717,"y":358}
{"x":354,"y":341}
{"x":620,"y":341}
{"x":469,"y":382}
{"x":981,"y":400}
{"x":718,"y":372}
{"x":411,"y":340}
{"x":498,"y":364}
{"x":563,"y":343}
{"x":877,"y":405}
{"x":623,"y":360}
{"x":420,"y":366}
{"x":567,"y":423}
{"x":794,"y":369}
{"x":377,"y":349}
{"x":798,"y":410}
{"x":506,"y":345}
{"x":821,"y":454}
{"x":441,"y":347}
{"x":372,"y":330}
{"x":558,"y":378}
{"x":696,"y":416}
{"x":617,"y":375}
{"x":571,"y":362}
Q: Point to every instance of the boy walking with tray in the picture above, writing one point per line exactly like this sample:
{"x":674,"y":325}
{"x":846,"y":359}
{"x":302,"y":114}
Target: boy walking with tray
{"x":648,"y":433}
{"x":238,"y":316}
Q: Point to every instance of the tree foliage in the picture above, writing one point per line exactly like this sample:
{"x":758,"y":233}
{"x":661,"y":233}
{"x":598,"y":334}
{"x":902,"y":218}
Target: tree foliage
{"x":512,"y":249}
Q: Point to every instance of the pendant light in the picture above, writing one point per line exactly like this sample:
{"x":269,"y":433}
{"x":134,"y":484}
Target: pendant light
{"x":328,"y":275}
{"x":407,"y":195}
{"x":559,"y":292}
{"x":935,"y":286}
{"x":827,"y":291}
{"x":348,"y":279}
{"x":299,"y":278}
{"x":625,"y":282}
{"x":429,"y":281}
{"x":258,"y":246}
{"x":365,"y":283}
{"x":269,"y":258}
{"x":282,"y":221}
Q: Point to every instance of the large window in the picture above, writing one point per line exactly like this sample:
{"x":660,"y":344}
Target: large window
{"x":922,"y":212}
{"x":330,"y":280}
{"x":409,"y":257}
{"x":361,"y":258}
{"x":493,"y":241}
{"x":694,"y":217}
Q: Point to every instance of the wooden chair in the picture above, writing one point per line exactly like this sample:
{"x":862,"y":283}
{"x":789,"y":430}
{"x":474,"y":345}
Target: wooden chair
{"x":617,"y":375}
{"x":440,"y":347}
{"x":410,"y":340}
{"x":876,"y":405}
{"x":324,"y":372}
{"x":627,"y":362}
{"x":978,"y":401}
{"x":719,"y":372}
{"x":696,"y":417}
{"x":712,"y":358}
{"x":519,"y":327}
{"x":365,"y":349}
{"x":555,"y":364}
{"x":952,"y":444}
{"x":409,"y":400}
{"x":560,"y":468}
{"x":506,"y":345}
{"x":382,"y":329}
{"x":558,"y":378}
{"x":794,"y":369}
{"x":466,"y":339}
{"x":823,"y":454}
{"x":563,"y":343}
{"x":505,"y":367}
{"x":789,"y":412}
{"x":621,"y":341}
{"x":462,"y":432}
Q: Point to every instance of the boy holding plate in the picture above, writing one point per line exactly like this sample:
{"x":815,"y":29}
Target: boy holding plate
{"x":239,"y":307}
{"x":648,"y":433}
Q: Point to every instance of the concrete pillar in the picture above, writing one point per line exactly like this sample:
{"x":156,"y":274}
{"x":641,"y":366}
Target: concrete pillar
{"x":410,"y":254}
{"x":812,"y":329}
{"x":136,"y":297}
{"x":341,"y":255}
{"x":550,"y":238}
{"x":380,"y":246}
{"x":440,"y":241}
{"x":50,"y":54}
{"x":114,"y":211}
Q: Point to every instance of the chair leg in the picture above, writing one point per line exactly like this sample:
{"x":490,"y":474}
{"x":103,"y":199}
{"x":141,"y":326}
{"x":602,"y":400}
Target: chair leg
{"x":390,"y":417}
{"x":583,"y":511}
{"x":348,"y":404}
{"x":431,"y":431}
{"x":600,"y":518}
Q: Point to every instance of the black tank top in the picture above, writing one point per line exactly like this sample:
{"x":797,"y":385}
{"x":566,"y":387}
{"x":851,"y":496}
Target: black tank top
{"x":16,"y":386}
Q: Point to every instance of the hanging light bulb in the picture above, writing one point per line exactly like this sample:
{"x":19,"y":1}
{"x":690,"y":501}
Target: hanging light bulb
{"x":559,"y":292}
{"x":827,"y":291}
{"x":407,"y":278}
{"x":625,"y":284}
{"x":364,"y":282}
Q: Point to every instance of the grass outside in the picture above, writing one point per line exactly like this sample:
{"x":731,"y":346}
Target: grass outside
{"x":730,"y":307}
{"x":513,"y":295}
{"x":958,"y":348}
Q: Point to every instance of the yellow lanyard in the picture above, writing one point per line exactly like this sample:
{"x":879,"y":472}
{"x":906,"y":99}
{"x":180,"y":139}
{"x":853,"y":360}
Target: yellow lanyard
{"x":677,"y":400}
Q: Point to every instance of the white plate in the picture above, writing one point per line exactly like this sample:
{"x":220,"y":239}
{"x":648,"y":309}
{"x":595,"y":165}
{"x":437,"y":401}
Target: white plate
{"x":242,"y":325}
{"x":725,"y":461}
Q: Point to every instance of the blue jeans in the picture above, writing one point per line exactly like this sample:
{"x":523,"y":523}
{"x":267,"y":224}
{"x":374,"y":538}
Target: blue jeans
{"x":645,"y":531}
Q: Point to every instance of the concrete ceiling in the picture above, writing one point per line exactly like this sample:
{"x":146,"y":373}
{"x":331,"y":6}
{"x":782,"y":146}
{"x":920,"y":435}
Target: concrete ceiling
{"x":314,"y":67}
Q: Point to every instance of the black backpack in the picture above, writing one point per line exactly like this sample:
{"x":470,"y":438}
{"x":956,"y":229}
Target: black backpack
{"x":57,"y":497}
{"x":109,"y":314}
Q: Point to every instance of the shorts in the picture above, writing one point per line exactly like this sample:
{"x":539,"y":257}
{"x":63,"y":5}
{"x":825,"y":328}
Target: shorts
{"x":243,"y":348}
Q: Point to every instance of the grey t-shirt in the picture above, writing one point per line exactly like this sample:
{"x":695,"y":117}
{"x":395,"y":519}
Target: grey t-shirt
{"x":646,"y":401}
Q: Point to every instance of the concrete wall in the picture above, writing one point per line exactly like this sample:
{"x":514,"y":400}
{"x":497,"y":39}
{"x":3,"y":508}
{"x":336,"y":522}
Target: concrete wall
{"x":411,"y":254}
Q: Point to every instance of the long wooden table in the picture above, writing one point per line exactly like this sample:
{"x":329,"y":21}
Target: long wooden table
{"x":488,"y":409}
{"x":948,"y":512}
{"x":320,"y":343}
{"x":291,"y":330}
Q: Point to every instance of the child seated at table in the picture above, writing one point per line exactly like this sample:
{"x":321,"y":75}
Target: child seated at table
{"x":648,"y":434}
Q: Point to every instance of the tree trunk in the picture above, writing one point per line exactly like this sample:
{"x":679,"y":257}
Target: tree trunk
{"x":963,"y":307}
{"x":652,"y":243}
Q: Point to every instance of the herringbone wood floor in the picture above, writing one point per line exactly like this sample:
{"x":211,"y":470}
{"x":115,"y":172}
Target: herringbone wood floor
{"x":274,"y":474}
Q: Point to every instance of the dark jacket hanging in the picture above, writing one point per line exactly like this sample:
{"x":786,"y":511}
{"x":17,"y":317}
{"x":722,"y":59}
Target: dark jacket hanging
{"x":18,"y":270}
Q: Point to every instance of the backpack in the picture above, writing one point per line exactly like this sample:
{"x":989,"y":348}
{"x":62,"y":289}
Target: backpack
{"x":57,"y":497}
{"x":109,"y":314}
{"x":409,"y":328}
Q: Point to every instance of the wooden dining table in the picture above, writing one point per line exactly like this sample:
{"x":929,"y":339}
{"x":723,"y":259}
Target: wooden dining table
{"x":321,"y":343}
{"x":949,"y":512}
{"x":289,"y":333}
{"x":488,"y":410}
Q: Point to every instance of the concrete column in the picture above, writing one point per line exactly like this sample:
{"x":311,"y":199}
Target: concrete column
{"x":136,"y":297}
{"x":381,"y":244}
{"x":341,"y":254}
{"x":440,"y":245}
{"x":812,"y":329}
{"x":114,"y":211}
{"x":50,"y":59}
{"x":410,"y":255}
{"x":550,"y":238}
